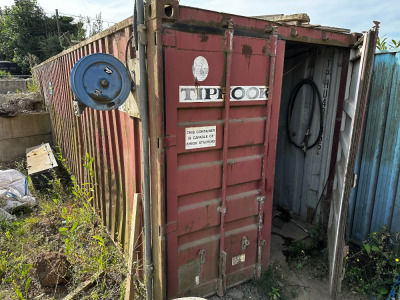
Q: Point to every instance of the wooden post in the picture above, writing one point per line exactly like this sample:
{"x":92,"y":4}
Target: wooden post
{"x":58,"y":24}
{"x":136,"y":230}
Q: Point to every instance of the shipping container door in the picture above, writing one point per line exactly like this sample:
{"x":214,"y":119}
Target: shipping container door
{"x":216,"y":153}
{"x":358,"y":78}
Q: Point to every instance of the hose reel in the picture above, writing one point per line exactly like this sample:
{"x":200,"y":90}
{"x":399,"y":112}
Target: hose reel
{"x":99,"y":81}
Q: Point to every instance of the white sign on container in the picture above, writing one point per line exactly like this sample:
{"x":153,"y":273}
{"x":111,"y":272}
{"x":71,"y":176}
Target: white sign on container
{"x":200,"y":137}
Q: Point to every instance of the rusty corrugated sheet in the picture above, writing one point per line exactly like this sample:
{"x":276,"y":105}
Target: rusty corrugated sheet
{"x":375,"y":201}
{"x":112,"y":138}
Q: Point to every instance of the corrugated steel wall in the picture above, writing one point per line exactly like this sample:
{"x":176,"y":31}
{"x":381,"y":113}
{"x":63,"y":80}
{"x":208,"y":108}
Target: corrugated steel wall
{"x":376,"y":200}
{"x":112,"y":138}
{"x":301,"y":179}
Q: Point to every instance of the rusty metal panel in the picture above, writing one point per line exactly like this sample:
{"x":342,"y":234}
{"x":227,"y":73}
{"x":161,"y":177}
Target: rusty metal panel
{"x":196,"y":119}
{"x":111,"y":138}
{"x":374,"y":201}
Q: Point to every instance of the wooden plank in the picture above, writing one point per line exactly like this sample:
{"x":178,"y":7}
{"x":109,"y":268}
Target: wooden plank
{"x":157,"y":154}
{"x":136,"y":231}
{"x":84,"y":286}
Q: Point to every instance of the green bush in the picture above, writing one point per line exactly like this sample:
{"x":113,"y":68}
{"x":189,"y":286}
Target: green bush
{"x":374,"y":267}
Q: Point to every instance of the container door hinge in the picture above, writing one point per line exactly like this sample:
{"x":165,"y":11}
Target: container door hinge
{"x":221,"y":210}
{"x":355,"y":178}
{"x":203,"y":256}
{"x":261,"y":199}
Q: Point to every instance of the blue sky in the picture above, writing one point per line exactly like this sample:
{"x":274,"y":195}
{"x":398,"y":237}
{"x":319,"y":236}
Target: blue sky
{"x":356,"y":15}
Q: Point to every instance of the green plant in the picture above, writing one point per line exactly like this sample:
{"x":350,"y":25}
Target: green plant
{"x":32,"y":85}
{"x":274,"y":293}
{"x":3,"y":265}
{"x":375,"y":266}
{"x":304,"y":248}
{"x":103,"y":256}
{"x":268,"y":284}
{"x":5,"y":74}
{"x":20,"y":278}
{"x":381,"y":44}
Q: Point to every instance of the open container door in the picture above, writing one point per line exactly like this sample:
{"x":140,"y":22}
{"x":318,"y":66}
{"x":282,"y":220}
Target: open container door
{"x":357,"y":86}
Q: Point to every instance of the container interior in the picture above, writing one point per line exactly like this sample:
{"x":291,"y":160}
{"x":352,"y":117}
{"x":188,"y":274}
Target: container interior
{"x":301,"y":177}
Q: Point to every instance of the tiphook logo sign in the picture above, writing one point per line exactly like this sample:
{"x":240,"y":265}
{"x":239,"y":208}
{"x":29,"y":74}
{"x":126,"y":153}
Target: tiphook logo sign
{"x":191,"y":94}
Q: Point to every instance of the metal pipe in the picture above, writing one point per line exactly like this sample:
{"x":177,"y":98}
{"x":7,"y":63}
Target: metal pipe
{"x":222,"y":208}
{"x":273,"y":43}
{"x":144,"y":115}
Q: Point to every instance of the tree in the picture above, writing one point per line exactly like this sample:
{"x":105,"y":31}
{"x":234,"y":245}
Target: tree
{"x":21,"y":29}
{"x":27,"y":35}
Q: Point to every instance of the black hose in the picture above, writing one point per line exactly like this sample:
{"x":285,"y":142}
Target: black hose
{"x":305,"y":145}
{"x":126,"y":51}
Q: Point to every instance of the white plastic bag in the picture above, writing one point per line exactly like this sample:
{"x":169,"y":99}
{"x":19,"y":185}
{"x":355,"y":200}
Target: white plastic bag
{"x":14,"y":192}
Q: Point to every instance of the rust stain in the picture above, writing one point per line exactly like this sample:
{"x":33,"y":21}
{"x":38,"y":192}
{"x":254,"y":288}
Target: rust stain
{"x":196,"y":86}
{"x":248,"y":52}
{"x":187,"y":228}
{"x":203,"y":37}
{"x":222,"y":83}
{"x":265,"y":50}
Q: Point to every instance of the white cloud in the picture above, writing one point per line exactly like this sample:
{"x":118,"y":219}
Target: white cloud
{"x":356,"y":15}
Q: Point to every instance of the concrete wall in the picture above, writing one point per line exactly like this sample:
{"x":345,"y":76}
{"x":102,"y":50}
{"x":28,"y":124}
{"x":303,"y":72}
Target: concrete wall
{"x":12,"y":85}
{"x":23,"y":131}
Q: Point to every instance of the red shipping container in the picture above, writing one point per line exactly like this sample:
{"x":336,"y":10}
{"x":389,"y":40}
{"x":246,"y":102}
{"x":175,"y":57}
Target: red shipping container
{"x":215,"y":86}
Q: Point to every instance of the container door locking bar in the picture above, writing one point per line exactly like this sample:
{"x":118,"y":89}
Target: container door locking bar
{"x":272,"y":50}
{"x":222,"y":209}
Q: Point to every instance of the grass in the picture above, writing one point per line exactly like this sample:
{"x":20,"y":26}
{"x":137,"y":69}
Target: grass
{"x":64,"y":221}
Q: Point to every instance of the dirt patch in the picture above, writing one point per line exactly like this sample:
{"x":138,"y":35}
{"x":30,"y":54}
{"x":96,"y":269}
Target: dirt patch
{"x":51,"y":268}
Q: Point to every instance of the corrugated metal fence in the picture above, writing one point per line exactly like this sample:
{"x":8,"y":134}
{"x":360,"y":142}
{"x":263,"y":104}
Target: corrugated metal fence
{"x":376,"y":199}
{"x":112,"y":138}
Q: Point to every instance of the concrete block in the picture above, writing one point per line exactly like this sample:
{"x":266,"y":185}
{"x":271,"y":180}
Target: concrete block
{"x":13,"y":85}
{"x":21,"y":132}
{"x":13,"y":148}
{"x":25,"y":125}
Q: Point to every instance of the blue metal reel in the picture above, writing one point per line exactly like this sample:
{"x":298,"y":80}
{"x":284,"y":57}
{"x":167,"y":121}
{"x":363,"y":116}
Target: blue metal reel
{"x":100,"y":81}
